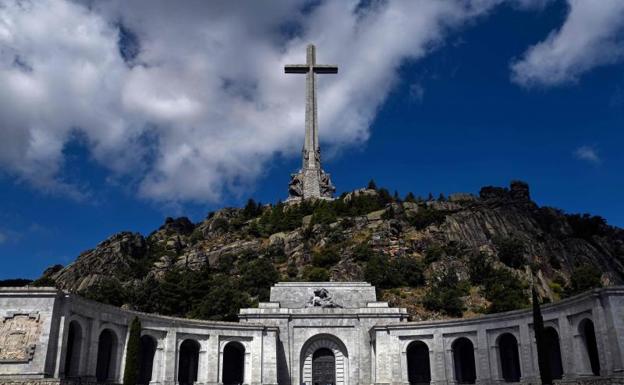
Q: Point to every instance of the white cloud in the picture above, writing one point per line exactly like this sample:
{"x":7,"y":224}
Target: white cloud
{"x":588,"y":154}
{"x":591,"y":36}
{"x":204,"y":105}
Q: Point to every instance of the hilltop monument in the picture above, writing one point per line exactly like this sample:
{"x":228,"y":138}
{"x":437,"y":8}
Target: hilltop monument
{"x":311,"y":181}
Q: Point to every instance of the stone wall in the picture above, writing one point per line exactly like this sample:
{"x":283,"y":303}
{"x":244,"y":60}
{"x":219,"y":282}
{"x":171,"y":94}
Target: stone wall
{"x":47,"y":336}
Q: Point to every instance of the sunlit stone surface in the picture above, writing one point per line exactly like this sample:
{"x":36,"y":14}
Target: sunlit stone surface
{"x":308,"y":332}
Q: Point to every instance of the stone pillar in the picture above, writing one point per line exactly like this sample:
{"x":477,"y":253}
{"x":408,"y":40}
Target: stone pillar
{"x":437,"y":361}
{"x":495,"y":365}
{"x":170,"y":355}
{"x":383,"y":363}
{"x":93,"y":338}
{"x":158,"y":372}
{"x":481,"y":357}
{"x":212,"y":356}
{"x":202,"y":361}
{"x":602,"y":338}
{"x":567,"y":347}
{"x":528,"y":370}
{"x":269,"y":357}
{"x":61,"y":348}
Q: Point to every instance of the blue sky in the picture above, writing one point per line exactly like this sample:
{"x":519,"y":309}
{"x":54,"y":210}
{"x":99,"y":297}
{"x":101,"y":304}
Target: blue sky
{"x":450,"y":112}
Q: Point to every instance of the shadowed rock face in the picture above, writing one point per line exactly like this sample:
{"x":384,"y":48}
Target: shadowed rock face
{"x":551,"y":242}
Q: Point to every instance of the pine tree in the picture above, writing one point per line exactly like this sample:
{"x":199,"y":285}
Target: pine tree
{"x":372,"y":185}
{"x":542,"y":349}
{"x":133,"y":352}
{"x":410,"y":197}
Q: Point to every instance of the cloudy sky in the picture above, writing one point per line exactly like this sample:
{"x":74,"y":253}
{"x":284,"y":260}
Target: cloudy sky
{"x":115,"y":114}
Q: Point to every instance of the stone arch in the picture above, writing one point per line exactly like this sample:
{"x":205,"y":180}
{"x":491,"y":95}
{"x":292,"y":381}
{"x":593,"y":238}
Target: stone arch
{"x":147,"y":350}
{"x":588,"y":335}
{"x":418,"y":365}
{"x":339,"y":351}
{"x":233,"y":363}
{"x":108,"y":347}
{"x":464,"y":361}
{"x":73,"y":354}
{"x":551,"y":341}
{"x":188,"y":362}
{"x":509,"y":357}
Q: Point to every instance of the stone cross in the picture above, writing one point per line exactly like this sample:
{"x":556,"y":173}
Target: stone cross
{"x":311,"y":181}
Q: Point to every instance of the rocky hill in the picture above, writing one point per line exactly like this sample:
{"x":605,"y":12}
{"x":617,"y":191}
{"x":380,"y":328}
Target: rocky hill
{"x":446,"y":257}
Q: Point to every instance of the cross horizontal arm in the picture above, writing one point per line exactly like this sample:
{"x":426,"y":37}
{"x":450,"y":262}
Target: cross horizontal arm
{"x":296,"y":68}
{"x":325,"y":69}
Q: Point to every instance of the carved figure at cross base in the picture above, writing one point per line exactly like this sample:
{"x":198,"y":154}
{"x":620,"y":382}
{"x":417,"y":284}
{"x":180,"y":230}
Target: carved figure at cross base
{"x":322,"y":298}
{"x":311,"y":181}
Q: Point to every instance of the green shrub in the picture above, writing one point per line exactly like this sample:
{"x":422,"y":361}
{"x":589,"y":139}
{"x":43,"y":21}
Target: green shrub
{"x":133,"y":351}
{"x":511,"y":252}
{"x":505,"y":292}
{"x":586,"y":226}
{"x":106,"y":290}
{"x":315,"y":274}
{"x":222,"y":302}
{"x":584,"y":277}
{"x":433,"y":253}
{"x":292,"y":270}
{"x":258,"y":276}
{"x":385,"y":273}
{"x":426,"y":217}
{"x":362,"y":252}
{"x":326,"y":257}
{"x":445,"y":294}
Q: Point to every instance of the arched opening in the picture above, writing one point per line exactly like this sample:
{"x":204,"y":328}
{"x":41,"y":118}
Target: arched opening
{"x":509,"y":357}
{"x":311,"y":349}
{"x":146,"y":356}
{"x":551,"y":342}
{"x":74,"y":345}
{"x":107,"y":351}
{"x":188,"y":362}
{"x":463,"y":358}
{"x":323,"y":367}
{"x":586,"y":328}
{"x":418,"y":368}
{"x":233,"y":363}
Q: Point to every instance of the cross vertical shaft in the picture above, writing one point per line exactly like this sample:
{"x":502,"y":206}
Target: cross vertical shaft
{"x":311,"y":180}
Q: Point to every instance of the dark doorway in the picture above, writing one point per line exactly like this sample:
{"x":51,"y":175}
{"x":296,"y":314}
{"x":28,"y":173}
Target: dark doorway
{"x":463,"y":357}
{"x":74,"y":344}
{"x":323,"y":367}
{"x":146,"y":363}
{"x":551,"y":341}
{"x":107,"y":346}
{"x":418,"y":369}
{"x":509,"y":357}
{"x":589,"y":338}
{"x":233,"y":363}
{"x":188,"y":362}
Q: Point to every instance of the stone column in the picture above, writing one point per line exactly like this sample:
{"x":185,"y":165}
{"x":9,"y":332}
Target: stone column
{"x":528,"y":370}
{"x":437,"y":361}
{"x":158,"y":372}
{"x":170,"y":355}
{"x":602,"y":338}
{"x":269,"y":358}
{"x":383,"y":363}
{"x":93,"y":337}
{"x":61,"y":348}
{"x":212,"y":357}
{"x":481,"y":357}
{"x":567,"y":347}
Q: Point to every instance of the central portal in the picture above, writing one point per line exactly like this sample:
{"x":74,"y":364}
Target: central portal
{"x":323,"y":367}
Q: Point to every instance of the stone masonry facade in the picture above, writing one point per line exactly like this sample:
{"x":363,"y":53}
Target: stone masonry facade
{"x":315,"y":333}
